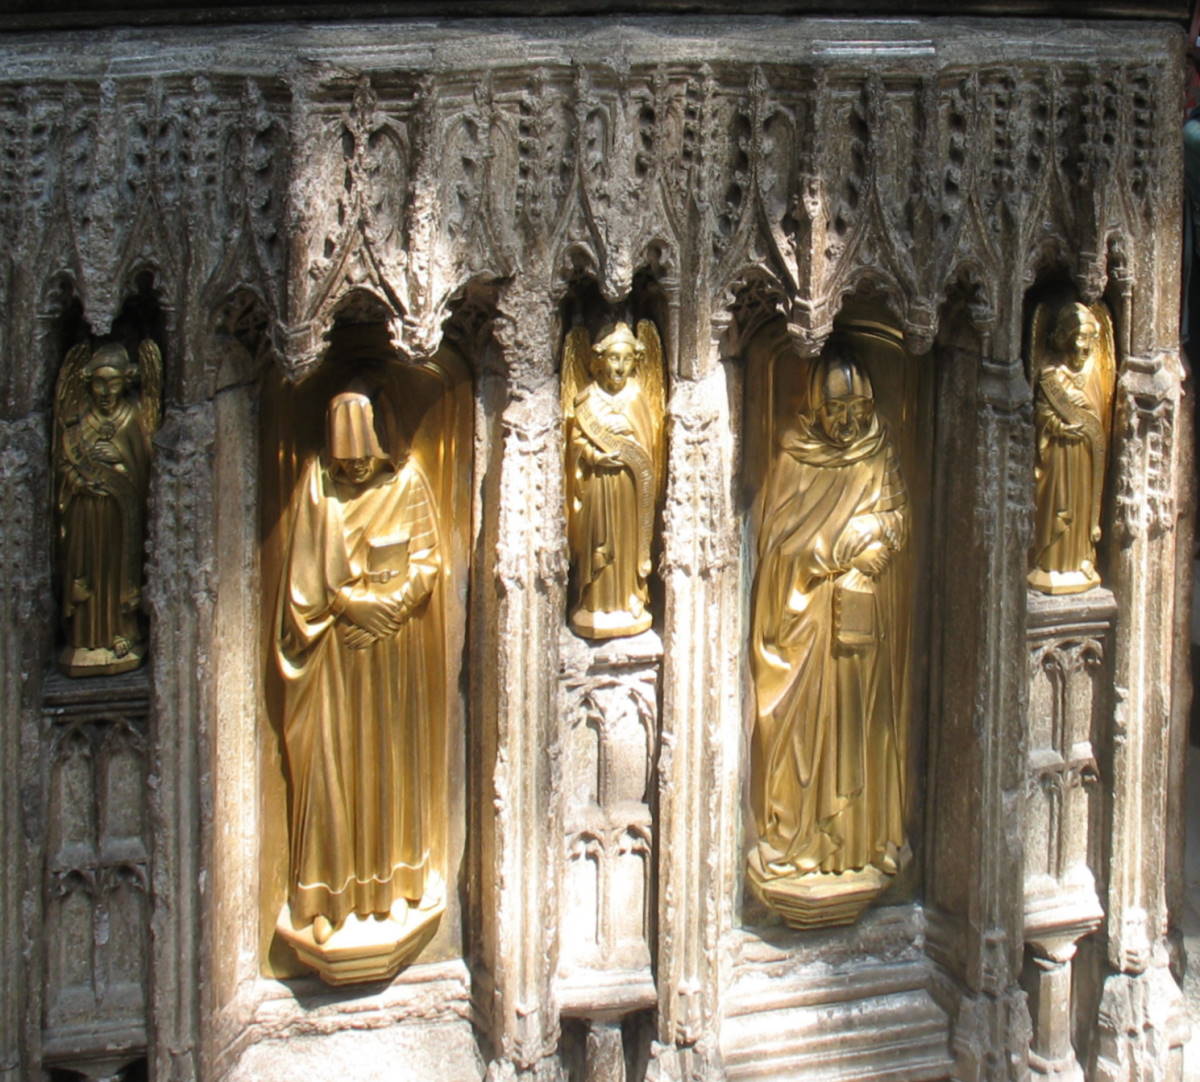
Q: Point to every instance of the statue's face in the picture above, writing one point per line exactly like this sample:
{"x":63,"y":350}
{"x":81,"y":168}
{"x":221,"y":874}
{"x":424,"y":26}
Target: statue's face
{"x":844,"y":420}
{"x":356,"y":470}
{"x":615,"y":365}
{"x":1077,"y":342}
{"x":106,"y":387}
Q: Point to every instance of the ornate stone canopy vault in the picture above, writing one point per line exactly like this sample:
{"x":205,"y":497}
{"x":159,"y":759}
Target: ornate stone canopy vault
{"x":594,"y":289}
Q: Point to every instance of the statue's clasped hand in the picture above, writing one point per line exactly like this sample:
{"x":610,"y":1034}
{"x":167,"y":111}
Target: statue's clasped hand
{"x":371,"y":618}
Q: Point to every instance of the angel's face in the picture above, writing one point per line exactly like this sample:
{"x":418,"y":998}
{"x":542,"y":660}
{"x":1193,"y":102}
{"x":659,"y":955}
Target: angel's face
{"x":106,"y":387}
{"x":1077,"y":341}
{"x":615,"y":365}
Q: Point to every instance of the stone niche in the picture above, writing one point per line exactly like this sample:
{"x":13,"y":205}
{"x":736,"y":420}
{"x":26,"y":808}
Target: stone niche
{"x":464,"y":194}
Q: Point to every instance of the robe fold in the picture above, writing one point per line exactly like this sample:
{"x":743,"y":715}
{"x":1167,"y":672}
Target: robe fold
{"x":103,"y":476}
{"x":827,"y":789}
{"x":363,"y":728}
{"x":611,"y":512}
{"x":1069,"y":476}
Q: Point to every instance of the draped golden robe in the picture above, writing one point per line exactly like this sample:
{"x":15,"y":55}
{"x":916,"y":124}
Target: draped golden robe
{"x":1069,"y":477}
{"x":611,"y":510}
{"x":103,"y":474}
{"x":827,"y":788}
{"x":363,"y":728}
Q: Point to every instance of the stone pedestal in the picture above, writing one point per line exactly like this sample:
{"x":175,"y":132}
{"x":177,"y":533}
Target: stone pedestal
{"x":1070,"y":717}
{"x":609,"y":711}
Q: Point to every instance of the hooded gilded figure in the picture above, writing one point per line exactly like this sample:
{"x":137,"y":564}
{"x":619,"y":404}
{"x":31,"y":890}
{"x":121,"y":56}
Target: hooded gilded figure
{"x":360,"y":649}
{"x":827,"y":786}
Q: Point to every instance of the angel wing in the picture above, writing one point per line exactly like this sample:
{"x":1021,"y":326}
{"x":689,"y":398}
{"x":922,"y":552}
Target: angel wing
{"x":576,"y":374}
{"x":652,"y":377}
{"x":69,"y":391}
{"x":150,"y":378}
{"x":1106,"y":363}
{"x":1039,"y":341}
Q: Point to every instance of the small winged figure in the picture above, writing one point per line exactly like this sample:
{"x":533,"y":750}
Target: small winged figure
{"x":106,"y":411}
{"x":613,"y":408}
{"x":1073,"y":362}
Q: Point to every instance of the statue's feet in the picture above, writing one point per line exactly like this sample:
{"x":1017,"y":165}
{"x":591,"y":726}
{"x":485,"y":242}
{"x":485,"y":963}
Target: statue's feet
{"x":121,"y":646}
{"x":322,"y":929}
{"x":399,"y":911}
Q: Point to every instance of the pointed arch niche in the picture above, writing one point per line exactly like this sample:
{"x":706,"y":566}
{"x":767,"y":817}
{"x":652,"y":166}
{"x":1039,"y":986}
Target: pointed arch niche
{"x":268,"y":427}
{"x":775,"y":394}
{"x":926,"y":402}
{"x":423,"y":408}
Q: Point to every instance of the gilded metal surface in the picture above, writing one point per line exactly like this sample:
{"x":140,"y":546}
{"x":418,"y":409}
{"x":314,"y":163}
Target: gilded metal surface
{"x":1073,"y":363}
{"x":106,"y":409}
{"x":613,"y":407}
{"x":366,"y":606}
{"x":830,"y":652}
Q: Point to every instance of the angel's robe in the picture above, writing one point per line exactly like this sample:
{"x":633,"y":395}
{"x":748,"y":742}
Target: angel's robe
{"x":1067,"y":480}
{"x":827,"y":785}
{"x":362,"y":727}
{"x":611,"y":508}
{"x":103,"y":472}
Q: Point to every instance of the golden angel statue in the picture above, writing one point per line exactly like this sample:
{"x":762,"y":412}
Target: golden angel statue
{"x":613,"y":407}
{"x":1073,"y":367}
{"x":827,"y":786}
{"x":359,"y":643}
{"x":106,"y":410}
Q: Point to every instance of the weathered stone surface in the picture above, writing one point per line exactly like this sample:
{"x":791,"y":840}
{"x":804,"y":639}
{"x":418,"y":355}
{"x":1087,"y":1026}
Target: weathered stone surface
{"x":475,"y":180}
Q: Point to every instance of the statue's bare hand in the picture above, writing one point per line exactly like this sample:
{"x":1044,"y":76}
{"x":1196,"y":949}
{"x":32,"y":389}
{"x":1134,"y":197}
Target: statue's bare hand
{"x":379,"y":616}
{"x":860,"y":534}
{"x":607,"y":462}
{"x":357,"y":638}
{"x":106,"y":453}
{"x":872,"y":560}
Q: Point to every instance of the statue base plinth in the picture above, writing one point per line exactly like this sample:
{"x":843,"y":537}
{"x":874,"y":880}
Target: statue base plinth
{"x":609,"y":625}
{"x":1062,"y":582}
{"x":99,"y":660}
{"x":818,"y":899}
{"x":362,"y":948}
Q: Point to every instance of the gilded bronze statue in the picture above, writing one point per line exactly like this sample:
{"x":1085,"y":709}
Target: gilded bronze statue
{"x":1073,"y":365}
{"x":613,"y":409}
{"x":360,"y":647}
{"x":827,"y":785}
{"x":107,"y":409}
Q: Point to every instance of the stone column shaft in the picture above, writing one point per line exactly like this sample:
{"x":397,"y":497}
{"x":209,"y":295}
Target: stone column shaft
{"x":180,"y":596}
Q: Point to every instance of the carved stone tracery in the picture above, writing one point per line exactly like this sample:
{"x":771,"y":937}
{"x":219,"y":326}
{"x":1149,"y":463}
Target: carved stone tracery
{"x":418,"y":176}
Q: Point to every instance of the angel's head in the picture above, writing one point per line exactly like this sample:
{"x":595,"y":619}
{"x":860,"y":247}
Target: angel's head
{"x":616,"y":356}
{"x":1075,"y":334}
{"x":353,"y":442}
{"x":106,"y":375}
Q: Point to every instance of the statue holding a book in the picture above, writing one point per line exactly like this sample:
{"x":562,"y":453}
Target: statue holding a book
{"x":827,"y":786}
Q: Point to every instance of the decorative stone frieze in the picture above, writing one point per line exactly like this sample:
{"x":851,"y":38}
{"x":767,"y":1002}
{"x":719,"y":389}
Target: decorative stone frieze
{"x":476,"y":182}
